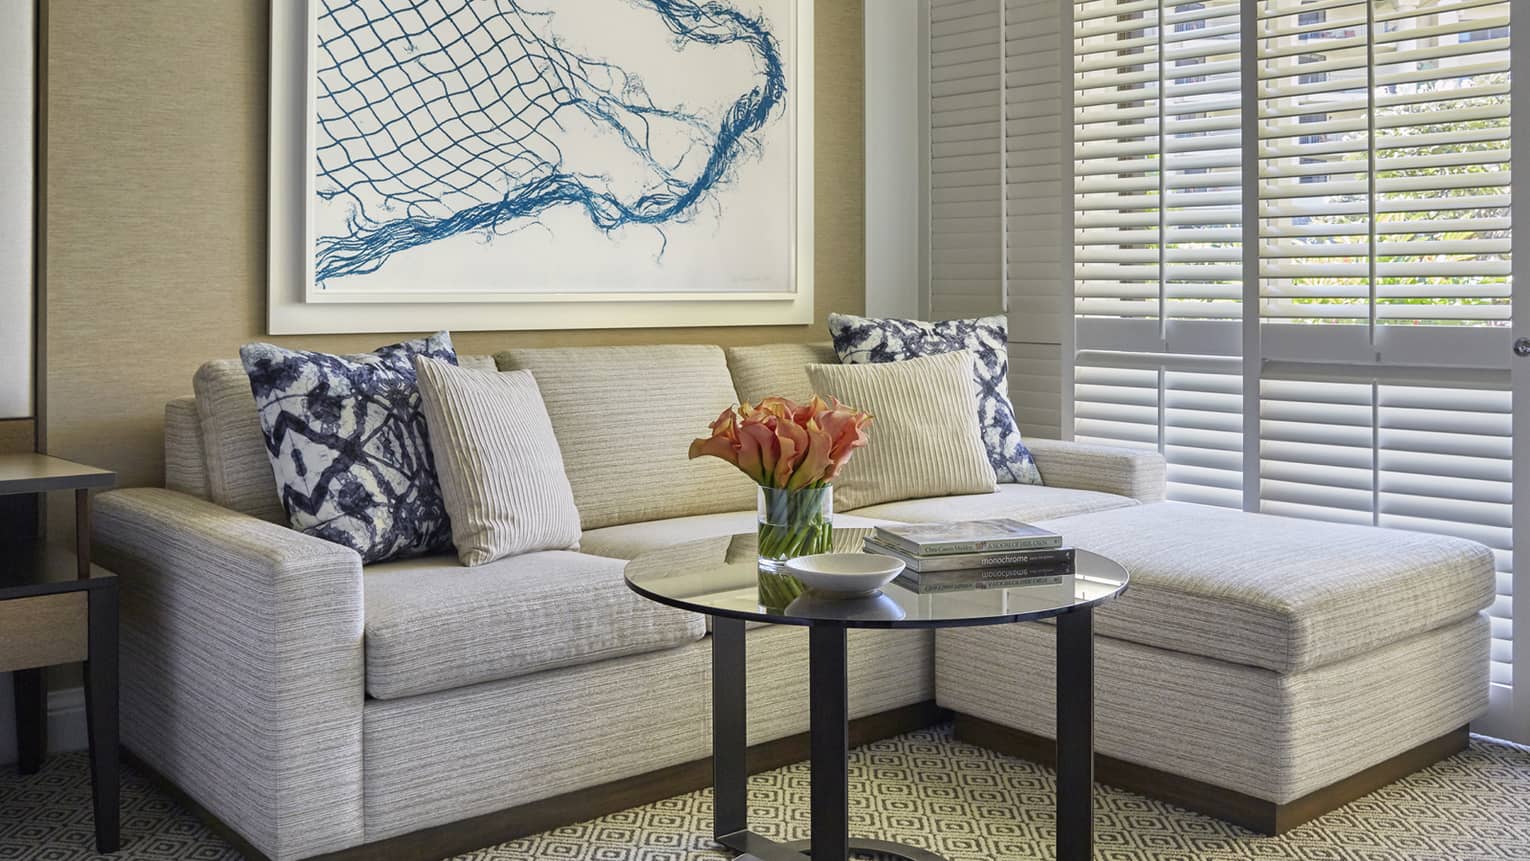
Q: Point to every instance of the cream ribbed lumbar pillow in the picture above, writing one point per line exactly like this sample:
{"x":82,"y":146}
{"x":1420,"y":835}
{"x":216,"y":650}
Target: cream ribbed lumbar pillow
{"x":499,"y":465}
{"x":924,"y":439}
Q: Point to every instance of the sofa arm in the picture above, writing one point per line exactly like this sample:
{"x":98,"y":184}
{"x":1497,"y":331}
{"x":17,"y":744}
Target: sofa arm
{"x":242,"y":665}
{"x":1135,"y":472}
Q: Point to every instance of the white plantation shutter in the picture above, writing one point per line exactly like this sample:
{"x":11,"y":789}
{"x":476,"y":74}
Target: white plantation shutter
{"x":1035,"y":372}
{"x":966,"y":177}
{"x":1317,"y":450}
{"x":1188,"y":408}
{"x":1384,"y":150}
{"x":1203,"y":434}
{"x":1425,"y":454}
{"x":1038,"y":174}
{"x":1445,"y":464}
{"x":1158,"y":234}
{"x":1378,"y":135}
{"x":1157,"y":146}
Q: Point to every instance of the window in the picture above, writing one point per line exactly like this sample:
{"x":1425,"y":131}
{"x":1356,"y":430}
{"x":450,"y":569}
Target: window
{"x":1317,"y":333}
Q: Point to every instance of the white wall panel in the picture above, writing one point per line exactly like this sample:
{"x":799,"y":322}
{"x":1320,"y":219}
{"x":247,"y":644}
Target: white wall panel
{"x":16,"y":130}
{"x":894,"y":70}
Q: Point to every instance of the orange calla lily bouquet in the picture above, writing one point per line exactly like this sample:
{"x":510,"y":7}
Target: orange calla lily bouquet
{"x":792,"y":451}
{"x":785,"y":445}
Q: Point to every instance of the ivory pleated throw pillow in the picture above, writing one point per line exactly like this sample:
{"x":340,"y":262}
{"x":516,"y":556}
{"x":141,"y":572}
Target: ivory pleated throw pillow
{"x":860,"y":340}
{"x":500,"y":466}
{"x":347,"y":443}
{"x":924,"y":440}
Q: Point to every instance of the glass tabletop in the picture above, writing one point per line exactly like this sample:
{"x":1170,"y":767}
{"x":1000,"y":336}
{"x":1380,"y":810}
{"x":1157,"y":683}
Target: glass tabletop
{"x":720,"y":577}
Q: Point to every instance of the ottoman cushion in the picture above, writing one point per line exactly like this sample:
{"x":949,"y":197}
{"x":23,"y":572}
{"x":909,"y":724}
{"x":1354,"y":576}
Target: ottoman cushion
{"x":1276,"y":592}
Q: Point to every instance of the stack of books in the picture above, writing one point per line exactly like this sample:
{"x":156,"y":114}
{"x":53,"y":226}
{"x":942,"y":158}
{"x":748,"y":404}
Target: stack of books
{"x":978,"y":554}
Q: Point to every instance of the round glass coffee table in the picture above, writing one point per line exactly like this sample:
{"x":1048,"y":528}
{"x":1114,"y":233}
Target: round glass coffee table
{"x":719,"y":577}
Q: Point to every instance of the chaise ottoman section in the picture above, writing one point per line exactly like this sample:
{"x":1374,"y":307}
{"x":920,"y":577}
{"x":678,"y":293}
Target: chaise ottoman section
{"x":1260,"y":669}
{"x":1276,"y":592}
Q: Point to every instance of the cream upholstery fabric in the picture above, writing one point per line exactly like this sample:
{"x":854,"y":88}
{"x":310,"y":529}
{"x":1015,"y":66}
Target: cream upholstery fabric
{"x":625,"y":418}
{"x":185,"y":456}
{"x":1276,"y":592}
{"x":924,"y":439}
{"x":497,"y":460}
{"x":777,"y":369}
{"x":1022,"y":501}
{"x":888,"y":669}
{"x":432,"y":624}
{"x":630,"y":539}
{"x":1266,"y":734}
{"x":239,"y":472}
{"x":448,"y":756}
{"x":1135,"y":472}
{"x":241,"y":665}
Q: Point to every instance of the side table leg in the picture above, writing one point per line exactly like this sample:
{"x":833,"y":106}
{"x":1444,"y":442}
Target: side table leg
{"x":101,"y":715}
{"x":82,"y":529}
{"x":730,"y":729}
{"x":31,"y":690}
{"x":829,"y":709}
{"x":1075,"y":735}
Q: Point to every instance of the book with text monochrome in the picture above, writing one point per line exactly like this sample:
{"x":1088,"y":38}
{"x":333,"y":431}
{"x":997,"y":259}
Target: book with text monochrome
{"x":973,"y":536}
{"x":929,"y":585}
{"x":961,"y":561}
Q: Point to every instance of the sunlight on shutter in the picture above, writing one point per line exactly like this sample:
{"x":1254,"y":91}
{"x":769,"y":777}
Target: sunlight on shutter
{"x":966,"y":180}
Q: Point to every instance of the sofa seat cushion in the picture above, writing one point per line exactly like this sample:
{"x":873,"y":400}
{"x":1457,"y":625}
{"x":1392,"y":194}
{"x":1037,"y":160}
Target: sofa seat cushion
{"x":1029,"y":502}
{"x":1277,"y":592}
{"x":632,"y":539}
{"x":433,"y":624}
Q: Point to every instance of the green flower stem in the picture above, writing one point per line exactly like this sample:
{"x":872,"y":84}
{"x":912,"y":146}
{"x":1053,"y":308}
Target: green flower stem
{"x":792,"y":523}
{"x":777,"y":590}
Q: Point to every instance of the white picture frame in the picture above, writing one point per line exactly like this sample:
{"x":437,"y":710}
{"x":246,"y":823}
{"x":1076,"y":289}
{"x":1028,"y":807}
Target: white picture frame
{"x":295,"y":306}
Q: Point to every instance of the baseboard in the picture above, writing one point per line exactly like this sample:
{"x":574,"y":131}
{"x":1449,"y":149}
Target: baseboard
{"x":66,"y":721}
{"x":1255,"y":814}
{"x":491,"y":829}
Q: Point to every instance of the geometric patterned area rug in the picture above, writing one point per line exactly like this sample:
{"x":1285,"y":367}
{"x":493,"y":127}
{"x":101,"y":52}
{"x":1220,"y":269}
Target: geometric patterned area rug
{"x":923,"y":788}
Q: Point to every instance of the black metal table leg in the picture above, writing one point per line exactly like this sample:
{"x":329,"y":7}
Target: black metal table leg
{"x":829,"y":710}
{"x":730,"y":730}
{"x":31,"y":694}
{"x":1075,"y":735}
{"x":101,"y":715}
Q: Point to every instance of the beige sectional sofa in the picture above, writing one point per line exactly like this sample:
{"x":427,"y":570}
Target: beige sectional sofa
{"x":315,"y":706}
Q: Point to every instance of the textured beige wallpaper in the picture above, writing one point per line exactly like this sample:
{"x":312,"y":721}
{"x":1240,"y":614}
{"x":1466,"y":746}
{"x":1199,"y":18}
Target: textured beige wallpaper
{"x":155,"y":211}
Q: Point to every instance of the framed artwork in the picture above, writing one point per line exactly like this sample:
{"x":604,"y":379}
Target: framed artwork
{"x":540,"y":164}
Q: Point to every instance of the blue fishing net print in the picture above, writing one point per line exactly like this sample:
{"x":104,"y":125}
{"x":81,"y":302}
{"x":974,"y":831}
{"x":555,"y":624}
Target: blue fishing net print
{"x":436,"y":118}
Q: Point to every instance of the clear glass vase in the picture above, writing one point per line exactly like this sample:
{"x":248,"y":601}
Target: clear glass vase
{"x":791,"y":523}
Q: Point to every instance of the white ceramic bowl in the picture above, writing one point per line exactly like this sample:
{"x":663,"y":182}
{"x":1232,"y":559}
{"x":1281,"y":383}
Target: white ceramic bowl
{"x":845,"y":573}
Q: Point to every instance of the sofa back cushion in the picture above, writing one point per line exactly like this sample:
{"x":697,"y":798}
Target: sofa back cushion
{"x":238,"y":471}
{"x":776,"y":369}
{"x":625,"y":418}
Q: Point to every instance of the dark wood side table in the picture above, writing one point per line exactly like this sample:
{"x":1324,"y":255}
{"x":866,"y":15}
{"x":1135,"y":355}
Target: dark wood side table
{"x":58,"y":608}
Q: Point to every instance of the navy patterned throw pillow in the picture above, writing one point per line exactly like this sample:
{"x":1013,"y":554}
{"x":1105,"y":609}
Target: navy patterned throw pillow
{"x":863,"y":340}
{"x":348,"y":442}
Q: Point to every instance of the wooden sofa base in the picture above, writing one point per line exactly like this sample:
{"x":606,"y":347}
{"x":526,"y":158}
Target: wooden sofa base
{"x":491,"y":829}
{"x":1255,"y":814}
